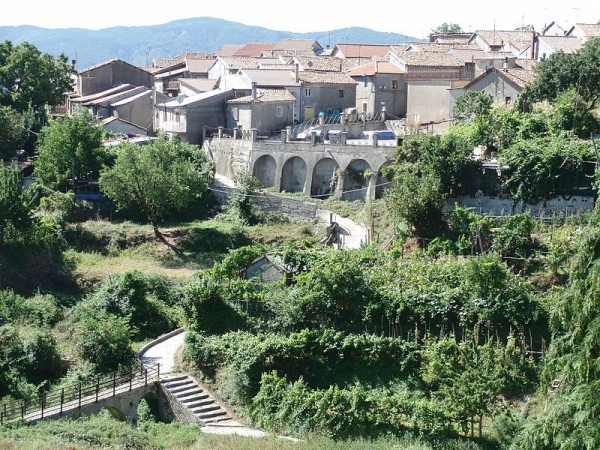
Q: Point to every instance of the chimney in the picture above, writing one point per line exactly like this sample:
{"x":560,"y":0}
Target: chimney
{"x":254,"y":91}
{"x":534,"y":40}
{"x":505,"y":64}
{"x":297,"y":73}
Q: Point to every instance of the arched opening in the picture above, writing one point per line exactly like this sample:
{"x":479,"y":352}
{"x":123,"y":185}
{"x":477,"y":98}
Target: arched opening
{"x":265,"y":169}
{"x":383,"y":183}
{"x":293,"y":175}
{"x":116,"y":413}
{"x":356,"y":180}
{"x":148,"y":409}
{"x":324,"y":178}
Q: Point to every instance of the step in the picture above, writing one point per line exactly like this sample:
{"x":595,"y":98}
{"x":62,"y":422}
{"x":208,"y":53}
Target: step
{"x":205,"y":409}
{"x":200,"y":402}
{"x":189,"y":400}
{"x":177,"y":383}
{"x":182,"y":387}
{"x":174,"y":378}
{"x":211,"y":415}
{"x":191,"y":391}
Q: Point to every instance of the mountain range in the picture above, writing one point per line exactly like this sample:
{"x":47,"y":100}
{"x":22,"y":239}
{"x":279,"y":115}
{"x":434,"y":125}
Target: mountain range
{"x":139,"y":45}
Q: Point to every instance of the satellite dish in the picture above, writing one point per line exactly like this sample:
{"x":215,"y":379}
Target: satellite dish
{"x":310,"y":64}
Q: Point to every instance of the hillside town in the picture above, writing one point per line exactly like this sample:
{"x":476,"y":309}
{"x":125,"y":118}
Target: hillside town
{"x":356,"y":94}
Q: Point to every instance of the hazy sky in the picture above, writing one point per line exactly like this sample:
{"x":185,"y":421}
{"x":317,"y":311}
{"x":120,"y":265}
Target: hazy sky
{"x":414,"y":18}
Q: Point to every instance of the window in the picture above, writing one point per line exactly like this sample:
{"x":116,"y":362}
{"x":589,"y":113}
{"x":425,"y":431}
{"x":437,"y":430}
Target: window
{"x":366,"y":81}
{"x":280,"y":111}
{"x":340,"y":93}
{"x":307,"y":92}
{"x":235,"y":113}
{"x":164,"y":115}
{"x":507,"y":100}
{"x":394,"y":84}
{"x":177,"y":117}
{"x":365,"y":107}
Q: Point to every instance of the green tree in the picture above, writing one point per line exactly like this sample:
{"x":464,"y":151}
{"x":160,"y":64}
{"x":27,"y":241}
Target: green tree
{"x":416,"y":200}
{"x":156,"y":178}
{"x":105,"y":341}
{"x":16,"y":206}
{"x":449,"y":28}
{"x":70,"y":148}
{"x":30,"y":79}
{"x":546,"y":167}
{"x":560,"y":72}
{"x":12,"y":132}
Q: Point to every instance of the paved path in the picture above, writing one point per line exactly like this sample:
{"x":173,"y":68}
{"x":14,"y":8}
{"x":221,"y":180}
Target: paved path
{"x":163,"y":353}
{"x":352,"y":235}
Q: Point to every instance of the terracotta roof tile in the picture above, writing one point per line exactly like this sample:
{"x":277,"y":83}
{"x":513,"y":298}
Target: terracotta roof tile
{"x":254,"y":49}
{"x":195,"y":55}
{"x":199,"y":65}
{"x":325,"y":78}
{"x":590,"y":29}
{"x":296,"y":44}
{"x":566,"y":44}
{"x":374,"y":68}
{"x":229,"y":50}
{"x":520,"y":39}
{"x":440,"y":47}
{"x":240,"y":62}
{"x":199,"y":84}
{"x":267,"y":96}
{"x":427,"y":59}
{"x":271,"y":78}
{"x":320,"y":63}
{"x":363,"y":50}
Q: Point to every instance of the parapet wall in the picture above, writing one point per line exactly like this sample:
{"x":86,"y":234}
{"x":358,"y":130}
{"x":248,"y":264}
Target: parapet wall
{"x":496,"y":206}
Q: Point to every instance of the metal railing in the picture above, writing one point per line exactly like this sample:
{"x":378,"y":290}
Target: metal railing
{"x":57,"y":401}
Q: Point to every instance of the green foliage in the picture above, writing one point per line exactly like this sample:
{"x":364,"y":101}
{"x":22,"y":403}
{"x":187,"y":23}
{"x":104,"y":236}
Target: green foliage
{"x":473,"y":105}
{"x":561,"y":72}
{"x":546,"y":167}
{"x":240,"y":208}
{"x":146,"y":300}
{"x":449,"y":28}
{"x":104,"y":341}
{"x":571,"y":113}
{"x":12,"y":132}
{"x":158,"y":178}
{"x":206,"y":310}
{"x":70,"y":149}
{"x":16,"y":206}
{"x":30,"y":79}
{"x":29,"y":361}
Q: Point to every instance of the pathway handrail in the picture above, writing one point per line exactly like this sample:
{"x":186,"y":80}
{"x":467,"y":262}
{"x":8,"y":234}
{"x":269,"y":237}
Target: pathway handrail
{"x":11,"y":409}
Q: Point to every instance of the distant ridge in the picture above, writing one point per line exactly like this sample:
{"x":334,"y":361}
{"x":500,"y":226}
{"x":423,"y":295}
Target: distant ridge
{"x":139,"y":45}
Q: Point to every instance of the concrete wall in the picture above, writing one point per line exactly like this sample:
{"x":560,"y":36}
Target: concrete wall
{"x":262,"y":116}
{"x":378,"y":93}
{"x":504,"y":206}
{"x":112,"y":74}
{"x":325,"y":97}
{"x":429,"y":99}
{"x":493,"y":85}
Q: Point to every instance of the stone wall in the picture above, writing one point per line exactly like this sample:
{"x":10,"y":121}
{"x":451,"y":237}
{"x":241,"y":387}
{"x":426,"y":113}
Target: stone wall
{"x":273,"y":204}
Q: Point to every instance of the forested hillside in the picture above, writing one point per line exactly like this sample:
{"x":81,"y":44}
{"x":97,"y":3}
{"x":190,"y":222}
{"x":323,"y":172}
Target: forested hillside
{"x":139,"y":45}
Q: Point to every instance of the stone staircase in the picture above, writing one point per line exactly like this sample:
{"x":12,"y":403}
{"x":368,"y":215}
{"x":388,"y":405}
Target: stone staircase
{"x":197,"y":402}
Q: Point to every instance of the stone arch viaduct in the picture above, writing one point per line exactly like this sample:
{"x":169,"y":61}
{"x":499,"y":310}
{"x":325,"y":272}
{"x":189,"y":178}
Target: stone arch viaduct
{"x":348,"y":168}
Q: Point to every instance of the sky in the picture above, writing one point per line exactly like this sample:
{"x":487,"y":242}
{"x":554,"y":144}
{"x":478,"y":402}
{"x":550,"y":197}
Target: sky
{"x":415,"y":18}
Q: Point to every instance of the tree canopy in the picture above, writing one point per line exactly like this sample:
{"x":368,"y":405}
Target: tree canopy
{"x":562,"y":71}
{"x":30,"y":79}
{"x":70,"y":148}
{"x":157,"y":178}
